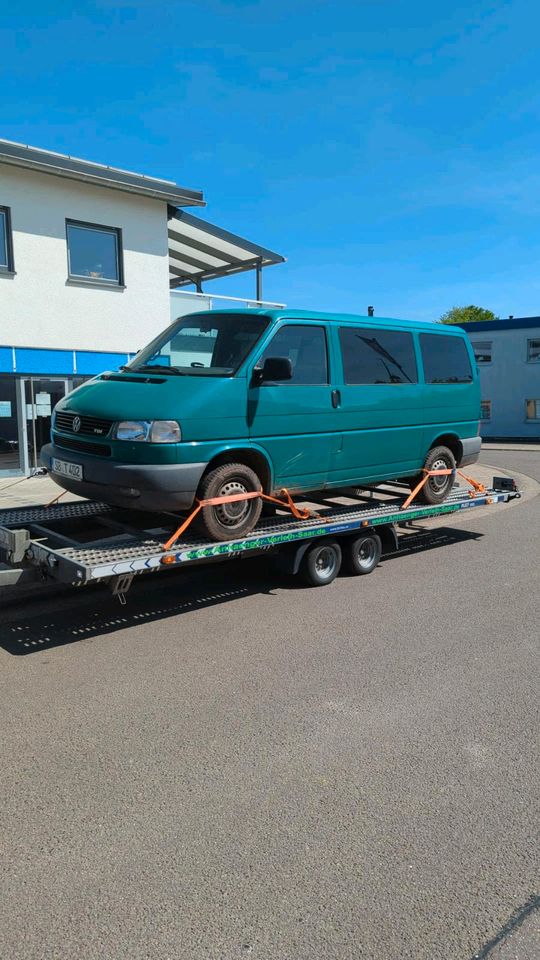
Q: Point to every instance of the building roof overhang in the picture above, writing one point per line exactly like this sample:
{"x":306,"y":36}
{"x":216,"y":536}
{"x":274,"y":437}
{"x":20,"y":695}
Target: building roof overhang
{"x":61,"y":165}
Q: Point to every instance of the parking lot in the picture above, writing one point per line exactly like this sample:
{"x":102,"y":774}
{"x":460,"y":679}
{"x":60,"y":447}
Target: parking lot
{"x":233,"y":765}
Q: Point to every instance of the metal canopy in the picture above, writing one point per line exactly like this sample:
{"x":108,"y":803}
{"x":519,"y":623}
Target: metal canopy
{"x":200,"y":251}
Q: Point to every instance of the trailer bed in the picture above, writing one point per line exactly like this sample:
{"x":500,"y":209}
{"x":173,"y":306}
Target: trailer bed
{"x":85,"y":542}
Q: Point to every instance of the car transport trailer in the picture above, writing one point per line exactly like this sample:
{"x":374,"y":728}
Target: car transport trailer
{"x":85,"y":542}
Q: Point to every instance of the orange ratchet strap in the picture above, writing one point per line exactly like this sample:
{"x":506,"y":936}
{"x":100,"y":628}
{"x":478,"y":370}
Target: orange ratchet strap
{"x":288,"y":503}
{"x":478,"y":487}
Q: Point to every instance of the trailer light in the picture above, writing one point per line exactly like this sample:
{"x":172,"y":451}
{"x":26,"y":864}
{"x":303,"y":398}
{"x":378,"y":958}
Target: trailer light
{"x":169,"y":558}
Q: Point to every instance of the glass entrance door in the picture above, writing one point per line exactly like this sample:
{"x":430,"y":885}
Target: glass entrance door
{"x":11,"y":452}
{"x":40,"y":397}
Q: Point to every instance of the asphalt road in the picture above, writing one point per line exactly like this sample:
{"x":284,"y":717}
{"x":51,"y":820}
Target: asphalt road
{"x":234,"y":766}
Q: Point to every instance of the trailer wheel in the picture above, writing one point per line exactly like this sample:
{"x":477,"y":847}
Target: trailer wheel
{"x":226,"y":521}
{"x":362,"y":554}
{"x":321,"y":563}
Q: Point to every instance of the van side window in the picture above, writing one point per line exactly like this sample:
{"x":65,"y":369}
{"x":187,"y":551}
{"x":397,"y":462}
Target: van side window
{"x":305,"y":347}
{"x":377,"y":356}
{"x":446,"y":359}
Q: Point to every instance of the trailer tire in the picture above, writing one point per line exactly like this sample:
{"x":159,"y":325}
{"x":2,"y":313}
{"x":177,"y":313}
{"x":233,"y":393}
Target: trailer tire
{"x":321,"y":563}
{"x":229,"y":521}
{"x":436,"y":489}
{"x":362,"y":554}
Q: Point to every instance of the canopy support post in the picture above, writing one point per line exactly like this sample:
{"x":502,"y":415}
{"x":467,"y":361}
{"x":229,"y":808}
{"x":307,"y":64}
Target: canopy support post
{"x":258,"y":275}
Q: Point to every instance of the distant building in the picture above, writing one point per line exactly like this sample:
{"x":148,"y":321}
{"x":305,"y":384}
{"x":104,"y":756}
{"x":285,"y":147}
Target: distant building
{"x":92,"y":260}
{"x":508,"y":357}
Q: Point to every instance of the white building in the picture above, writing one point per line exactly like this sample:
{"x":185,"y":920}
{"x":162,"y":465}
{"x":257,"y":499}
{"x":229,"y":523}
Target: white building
{"x":508,"y":357}
{"x":89,"y":256}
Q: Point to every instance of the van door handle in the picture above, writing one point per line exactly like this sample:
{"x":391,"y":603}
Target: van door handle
{"x":336,"y":398}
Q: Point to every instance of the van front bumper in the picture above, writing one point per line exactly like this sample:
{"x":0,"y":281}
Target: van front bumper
{"x":152,"y":487}
{"x":471,"y":451}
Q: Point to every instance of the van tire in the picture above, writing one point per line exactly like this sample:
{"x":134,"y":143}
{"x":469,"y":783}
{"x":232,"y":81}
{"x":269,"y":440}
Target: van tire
{"x":436,"y":489}
{"x":229,"y":521}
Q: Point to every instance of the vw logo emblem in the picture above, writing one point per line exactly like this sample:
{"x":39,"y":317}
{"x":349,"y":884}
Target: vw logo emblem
{"x":76,"y":425}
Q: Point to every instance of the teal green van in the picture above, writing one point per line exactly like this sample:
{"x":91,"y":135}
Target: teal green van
{"x":224,"y":402}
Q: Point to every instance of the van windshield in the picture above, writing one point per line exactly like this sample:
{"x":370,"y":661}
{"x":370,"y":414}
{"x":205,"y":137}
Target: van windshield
{"x":211,"y":344}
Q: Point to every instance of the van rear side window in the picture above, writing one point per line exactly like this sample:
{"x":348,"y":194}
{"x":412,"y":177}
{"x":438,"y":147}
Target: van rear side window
{"x":377,"y":356}
{"x":446,"y":359}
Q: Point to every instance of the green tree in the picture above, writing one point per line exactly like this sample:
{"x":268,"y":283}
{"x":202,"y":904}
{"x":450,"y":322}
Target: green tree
{"x":467,"y":315}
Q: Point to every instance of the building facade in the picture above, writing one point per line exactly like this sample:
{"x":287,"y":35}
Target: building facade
{"x":508,"y":357}
{"x":89,"y":257}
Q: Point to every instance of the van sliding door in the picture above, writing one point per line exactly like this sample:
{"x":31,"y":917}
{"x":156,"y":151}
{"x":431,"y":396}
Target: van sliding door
{"x":381,"y":405}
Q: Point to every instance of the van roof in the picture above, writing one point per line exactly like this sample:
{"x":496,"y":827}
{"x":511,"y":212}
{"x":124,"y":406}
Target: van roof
{"x":284,"y":312}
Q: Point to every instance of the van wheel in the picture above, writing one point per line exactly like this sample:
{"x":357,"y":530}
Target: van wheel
{"x":321,"y":563}
{"x":436,"y":489}
{"x":361,"y":554}
{"x":227,"y":521}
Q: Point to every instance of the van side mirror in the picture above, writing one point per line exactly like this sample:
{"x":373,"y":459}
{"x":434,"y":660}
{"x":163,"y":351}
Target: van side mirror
{"x":273,"y":369}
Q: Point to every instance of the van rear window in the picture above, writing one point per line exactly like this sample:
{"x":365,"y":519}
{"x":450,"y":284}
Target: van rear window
{"x":377,"y":356}
{"x":446,"y":359}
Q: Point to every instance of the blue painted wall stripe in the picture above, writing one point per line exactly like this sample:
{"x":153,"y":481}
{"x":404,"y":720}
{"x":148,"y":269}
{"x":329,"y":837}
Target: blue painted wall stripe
{"x":89,"y":362}
{"x":33,"y":360}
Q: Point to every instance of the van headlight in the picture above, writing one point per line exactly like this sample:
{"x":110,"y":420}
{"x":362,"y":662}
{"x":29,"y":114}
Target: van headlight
{"x":149,"y":431}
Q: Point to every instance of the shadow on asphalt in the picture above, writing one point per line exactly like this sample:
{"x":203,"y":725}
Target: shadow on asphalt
{"x":85,"y":614}
{"x":506,"y":931}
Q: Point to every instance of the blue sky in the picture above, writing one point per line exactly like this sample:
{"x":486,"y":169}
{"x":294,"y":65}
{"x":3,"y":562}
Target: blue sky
{"x":389,"y":150}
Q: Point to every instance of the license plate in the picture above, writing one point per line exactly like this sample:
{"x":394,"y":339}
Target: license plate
{"x":65,"y":469}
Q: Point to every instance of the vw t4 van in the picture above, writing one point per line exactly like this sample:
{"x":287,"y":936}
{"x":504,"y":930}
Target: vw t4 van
{"x":226,"y":402}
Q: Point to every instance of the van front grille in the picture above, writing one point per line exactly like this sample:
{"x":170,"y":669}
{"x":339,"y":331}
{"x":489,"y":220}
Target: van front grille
{"x":82,"y":446}
{"x":85,"y":426}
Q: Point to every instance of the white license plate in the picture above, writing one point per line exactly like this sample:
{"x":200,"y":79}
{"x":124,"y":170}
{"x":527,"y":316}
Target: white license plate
{"x":72,"y":470}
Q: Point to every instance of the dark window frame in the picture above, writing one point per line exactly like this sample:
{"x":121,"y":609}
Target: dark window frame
{"x":475,"y":344}
{"x":530,"y":341}
{"x":407,"y":333}
{"x":445,"y":383}
{"x":309,"y":326}
{"x":103,"y":228}
{"x":9,"y":267}
{"x":536,"y":401}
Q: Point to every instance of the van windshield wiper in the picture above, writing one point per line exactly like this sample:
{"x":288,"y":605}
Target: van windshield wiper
{"x":160,"y":367}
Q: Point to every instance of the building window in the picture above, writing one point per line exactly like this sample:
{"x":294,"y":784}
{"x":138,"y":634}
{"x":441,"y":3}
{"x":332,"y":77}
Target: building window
{"x":485,"y":410}
{"x":533,"y":351}
{"x":533,"y":409}
{"x":446,"y":359}
{"x":482,"y":351}
{"x":6,"y":243}
{"x":94,"y":253}
{"x":377,"y":356}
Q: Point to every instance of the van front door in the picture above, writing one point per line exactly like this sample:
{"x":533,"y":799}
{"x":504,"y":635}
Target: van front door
{"x":294,"y":421}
